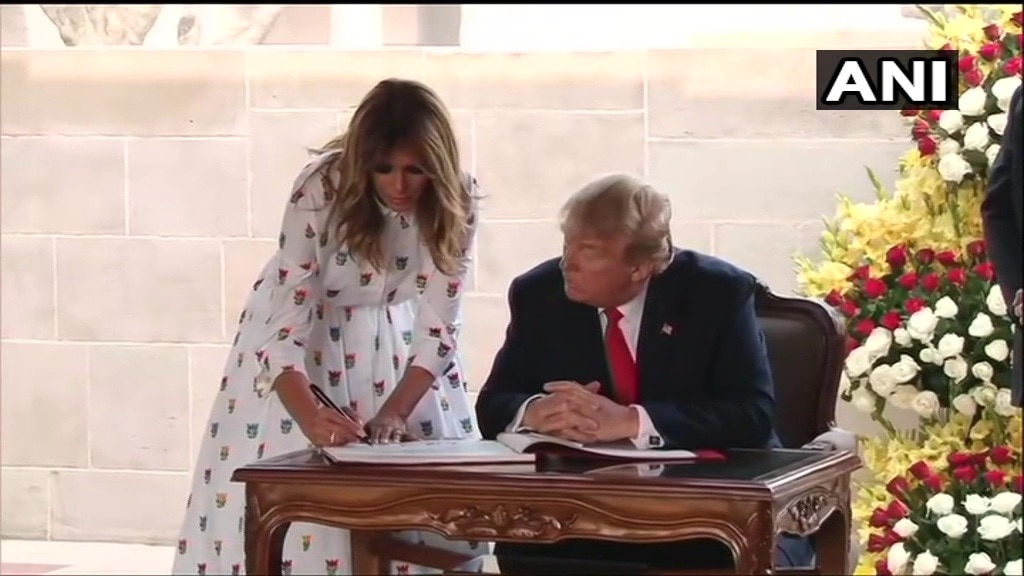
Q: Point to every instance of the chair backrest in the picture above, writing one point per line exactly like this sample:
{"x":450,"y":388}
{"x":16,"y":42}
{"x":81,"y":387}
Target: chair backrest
{"x":806,"y":342}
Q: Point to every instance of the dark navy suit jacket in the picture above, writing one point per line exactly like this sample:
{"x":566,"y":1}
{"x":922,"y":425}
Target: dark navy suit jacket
{"x":1002,"y":216}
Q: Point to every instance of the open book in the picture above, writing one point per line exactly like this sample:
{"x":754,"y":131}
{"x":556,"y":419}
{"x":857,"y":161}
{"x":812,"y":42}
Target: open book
{"x":508,"y":448}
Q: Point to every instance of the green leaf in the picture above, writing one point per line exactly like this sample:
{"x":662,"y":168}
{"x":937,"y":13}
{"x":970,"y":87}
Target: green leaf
{"x":879,"y":190}
{"x":933,"y":18}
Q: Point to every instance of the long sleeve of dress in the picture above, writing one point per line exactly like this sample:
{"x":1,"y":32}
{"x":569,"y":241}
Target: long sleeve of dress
{"x":293,"y":278}
{"x":438,"y":317}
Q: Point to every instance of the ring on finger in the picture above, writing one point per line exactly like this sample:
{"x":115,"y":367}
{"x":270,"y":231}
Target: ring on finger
{"x":331,"y":439}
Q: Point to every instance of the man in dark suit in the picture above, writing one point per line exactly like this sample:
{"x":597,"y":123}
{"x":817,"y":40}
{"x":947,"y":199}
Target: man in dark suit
{"x":626,"y":337}
{"x":1002,"y":217}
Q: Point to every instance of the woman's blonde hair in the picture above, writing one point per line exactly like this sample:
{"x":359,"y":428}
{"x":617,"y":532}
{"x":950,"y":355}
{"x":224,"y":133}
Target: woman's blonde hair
{"x":401,"y":113}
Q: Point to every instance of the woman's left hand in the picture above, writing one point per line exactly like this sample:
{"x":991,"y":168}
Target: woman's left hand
{"x":386,"y":427}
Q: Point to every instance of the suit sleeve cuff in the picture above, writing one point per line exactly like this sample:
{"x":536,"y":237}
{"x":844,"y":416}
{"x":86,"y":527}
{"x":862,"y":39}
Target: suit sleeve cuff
{"x":517,"y":423}
{"x":647,"y":436}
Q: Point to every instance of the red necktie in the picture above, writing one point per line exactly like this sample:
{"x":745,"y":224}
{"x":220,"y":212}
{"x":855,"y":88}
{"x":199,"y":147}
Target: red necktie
{"x":620,"y":359}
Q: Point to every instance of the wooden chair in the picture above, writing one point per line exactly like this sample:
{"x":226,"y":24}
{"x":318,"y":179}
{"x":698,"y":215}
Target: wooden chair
{"x":806,"y":348}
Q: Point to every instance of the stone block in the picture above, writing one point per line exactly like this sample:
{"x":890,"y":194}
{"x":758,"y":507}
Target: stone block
{"x":530,"y":162}
{"x":507,"y":249}
{"x":139,"y":290}
{"x":27,"y":292}
{"x":139,"y":408}
{"x":539,"y":81}
{"x":484,"y":319}
{"x":753,"y":180}
{"x":42,"y":403}
{"x":25,"y":500}
{"x":106,"y":506}
{"x":188,"y":187}
{"x":122,"y":92}
{"x":330,"y":80}
{"x":206,"y":366}
{"x":691,"y":235}
{"x":699,"y":94}
{"x":301,"y":24}
{"x":62,"y":185}
{"x":243,"y":261}
{"x":763,"y":249}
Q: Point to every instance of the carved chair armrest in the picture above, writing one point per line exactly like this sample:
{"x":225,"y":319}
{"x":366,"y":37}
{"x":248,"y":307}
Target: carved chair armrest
{"x":834,"y":440}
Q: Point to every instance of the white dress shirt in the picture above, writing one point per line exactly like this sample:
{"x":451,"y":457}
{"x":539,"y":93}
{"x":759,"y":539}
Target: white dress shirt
{"x":632,"y":313}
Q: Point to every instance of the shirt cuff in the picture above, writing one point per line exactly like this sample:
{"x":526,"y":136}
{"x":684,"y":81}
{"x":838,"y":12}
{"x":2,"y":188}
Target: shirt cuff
{"x":647,"y":436}
{"x":517,"y":423}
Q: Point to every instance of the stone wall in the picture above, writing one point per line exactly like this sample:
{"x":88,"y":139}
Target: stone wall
{"x":142,"y":191}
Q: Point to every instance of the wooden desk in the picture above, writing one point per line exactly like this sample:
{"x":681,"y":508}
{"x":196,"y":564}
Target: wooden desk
{"x":743,"y":501}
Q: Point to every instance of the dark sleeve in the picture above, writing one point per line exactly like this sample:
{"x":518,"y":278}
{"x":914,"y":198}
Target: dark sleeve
{"x":738,"y":410}
{"x":512,"y":380}
{"x":1003,"y":235}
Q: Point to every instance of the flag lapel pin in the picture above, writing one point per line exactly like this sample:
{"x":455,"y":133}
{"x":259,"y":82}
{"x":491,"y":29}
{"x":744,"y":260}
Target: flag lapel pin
{"x":666,"y":329}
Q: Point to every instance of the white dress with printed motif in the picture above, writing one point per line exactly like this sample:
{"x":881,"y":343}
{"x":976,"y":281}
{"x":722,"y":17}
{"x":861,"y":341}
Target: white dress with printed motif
{"x":352,"y":329}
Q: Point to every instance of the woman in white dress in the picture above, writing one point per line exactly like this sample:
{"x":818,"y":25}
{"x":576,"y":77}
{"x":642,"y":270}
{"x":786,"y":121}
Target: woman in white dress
{"x":362,"y":298}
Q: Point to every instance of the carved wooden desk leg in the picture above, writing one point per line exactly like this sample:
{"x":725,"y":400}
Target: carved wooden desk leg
{"x":365,"y":559}
{"x":757,"y":553}
{"x":264,"y":541}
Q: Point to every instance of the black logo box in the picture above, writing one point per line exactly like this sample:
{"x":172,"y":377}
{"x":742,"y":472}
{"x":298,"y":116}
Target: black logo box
{"x":829,"y":62}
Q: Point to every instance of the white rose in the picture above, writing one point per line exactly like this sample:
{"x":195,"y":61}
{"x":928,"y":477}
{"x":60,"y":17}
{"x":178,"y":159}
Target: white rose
{"x":858,"y":362}
{"x":940,"y":504}
{"x":965,"y":405}
{"x":995,"y":302}
{"x":1003,"y":406}
{"x":972,"y":102}
{"x":863,"y":400}
{"x":976,"y":137}
{"x":952,"y":525}
{"x":979,"y":563}
{"x":946,"y":308}
{"x":1013,"y":568}
{"x":953,"y":168}
{"x":844,"y":383}
{"x":983,"y":371}
{"x":930,"y":356}
{"x":997,"y":350}
{"x":921,"y":325}
{"x":984,"y":395}
{"x":948,"y":146}
{"x":951,"y":121}
{"x":997,"y":122}
{"x":905,"y":527}
{"x":1005,"y":502}
{"x":976,"y":504}
{"x":994,"y":527}
{"x":905,"y":370}
{"x":955,"y":368}
{"x":897,"y":558}
{"x":991,"y":153}
{"x":926,"y":403}
{"x":981,"y":326}
{"x":903,"y":397}
{"x":878,"y":342}
{"x":882,"y":380}
{"x":902,"y":337}
{"x":925,"y":564}
{"x":1003,"y":90}
{"x":950,"y":345}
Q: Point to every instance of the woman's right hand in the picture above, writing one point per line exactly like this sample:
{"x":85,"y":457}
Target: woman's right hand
{"x":325,"y":427}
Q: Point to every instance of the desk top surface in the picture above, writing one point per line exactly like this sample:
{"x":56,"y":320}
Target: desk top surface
{"x":763,"y":471}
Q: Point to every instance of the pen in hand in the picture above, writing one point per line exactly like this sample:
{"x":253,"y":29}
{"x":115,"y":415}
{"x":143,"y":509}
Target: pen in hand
{"x":326,"y":401}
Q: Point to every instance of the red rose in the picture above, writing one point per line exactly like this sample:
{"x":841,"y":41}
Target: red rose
{"x":921,"y":128}
{"x":1013,"y":66}
{"x":965,"y":474}
{"x":958,"y":459}
{"x":896,"y":510}
{"x":882,"y":567}
{"x":930,"y":283}
{"x":1018,"y":484}
{"x":934,"y":483}
{"x":974,"y":77}
{"x":834,"y":298}
{"x":990,"y":51}
{"x":909,"y":112}
{"x":851,"y":344}
{"x":891,"y":320}
{"x":995,"y":478}
{"x":908,"y":280}
{"x":898,"y":487}
{"x":877,"y":543}
{"x":897,"y":255}
{"x":979,"y":458}
{"x":861,"y":273}
{"x":920,"y":469}
{"x":957,"y":276}
{"x":925,"y":256}
{"x":966,"y":63}
{"x":1001,"y":455}
{"x":926,"y":146}
{"x":1017,"y":18}
{"x":874,"y":288}
{"x":849,"y":309}
{"x":947,"y":258}
{"x":864,"y":327}
{"x":879,"y":518}
{"x":985,"y":271}
{"x":934,"y":115}
{"x":993,"y":32}
{"x":976,"y":248}
{"x":913,"y":305}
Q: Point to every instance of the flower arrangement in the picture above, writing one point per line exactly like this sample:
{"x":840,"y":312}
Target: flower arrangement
{"x":961,"y":517}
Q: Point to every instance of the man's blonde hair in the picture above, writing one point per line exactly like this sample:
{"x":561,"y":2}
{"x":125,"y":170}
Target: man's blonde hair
{"x":623,"y":204}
